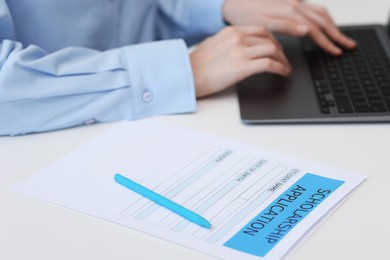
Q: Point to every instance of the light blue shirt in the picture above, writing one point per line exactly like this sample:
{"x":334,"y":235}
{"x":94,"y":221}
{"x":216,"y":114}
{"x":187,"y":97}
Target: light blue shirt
{"x":65,"y":63}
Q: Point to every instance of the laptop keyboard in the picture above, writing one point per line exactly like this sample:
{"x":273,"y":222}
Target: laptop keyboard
{"x":356,"y":82}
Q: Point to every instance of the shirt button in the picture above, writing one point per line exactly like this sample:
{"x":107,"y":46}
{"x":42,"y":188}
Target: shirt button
{"x":147,"y":96}
{"x":89,"y":121}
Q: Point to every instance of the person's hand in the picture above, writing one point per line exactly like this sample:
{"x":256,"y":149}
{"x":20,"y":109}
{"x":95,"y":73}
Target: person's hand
{"x":233,"y":54}
{"x":292,"y":17}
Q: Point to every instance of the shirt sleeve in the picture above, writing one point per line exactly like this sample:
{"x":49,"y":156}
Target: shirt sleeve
{"x":191,"y":20}
{"x":42,"y":91}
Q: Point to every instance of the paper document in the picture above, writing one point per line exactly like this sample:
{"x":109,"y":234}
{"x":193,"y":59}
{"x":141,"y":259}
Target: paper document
{"x":259,"y":202}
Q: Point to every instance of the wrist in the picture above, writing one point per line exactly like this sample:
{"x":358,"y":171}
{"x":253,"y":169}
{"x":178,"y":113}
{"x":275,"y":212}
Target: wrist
{"x":224,"y":12}
{"x":228,"y":11}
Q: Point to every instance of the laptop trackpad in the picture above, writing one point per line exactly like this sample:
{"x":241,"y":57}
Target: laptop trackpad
{"x":272,"y":98}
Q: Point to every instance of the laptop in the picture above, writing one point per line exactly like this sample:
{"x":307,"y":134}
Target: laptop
{"x":322,"y":88}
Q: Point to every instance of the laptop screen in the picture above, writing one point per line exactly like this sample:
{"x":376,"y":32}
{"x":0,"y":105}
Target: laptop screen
{"x":388,"y":25}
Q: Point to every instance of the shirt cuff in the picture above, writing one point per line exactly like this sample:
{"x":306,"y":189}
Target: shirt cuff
{"x":206,"y":15}
{"x":160,"y":77}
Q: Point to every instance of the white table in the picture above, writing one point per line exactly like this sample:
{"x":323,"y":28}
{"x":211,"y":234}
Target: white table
{"x":32,"y":229}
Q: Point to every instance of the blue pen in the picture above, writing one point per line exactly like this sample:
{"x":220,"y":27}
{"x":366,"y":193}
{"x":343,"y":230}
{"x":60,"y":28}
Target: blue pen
{"x":166,"y":203}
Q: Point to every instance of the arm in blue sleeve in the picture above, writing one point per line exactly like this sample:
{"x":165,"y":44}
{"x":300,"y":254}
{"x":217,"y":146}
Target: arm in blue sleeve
{"x":191,"y":20}
{"x":74,"y":86}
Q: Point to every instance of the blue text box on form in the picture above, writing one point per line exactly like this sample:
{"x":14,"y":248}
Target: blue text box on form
{"x":268,"y":228}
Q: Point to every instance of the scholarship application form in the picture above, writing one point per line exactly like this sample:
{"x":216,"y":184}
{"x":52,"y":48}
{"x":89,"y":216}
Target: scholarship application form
{"x":260,"y":203}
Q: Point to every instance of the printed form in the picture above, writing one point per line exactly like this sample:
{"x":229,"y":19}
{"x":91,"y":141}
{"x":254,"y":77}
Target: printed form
{"x":260,"y":203}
